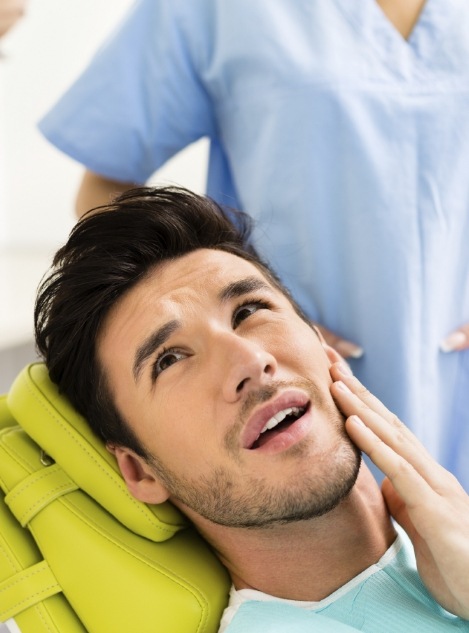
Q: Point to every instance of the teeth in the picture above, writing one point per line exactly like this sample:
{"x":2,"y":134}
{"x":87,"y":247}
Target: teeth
{"x":278,"y":417}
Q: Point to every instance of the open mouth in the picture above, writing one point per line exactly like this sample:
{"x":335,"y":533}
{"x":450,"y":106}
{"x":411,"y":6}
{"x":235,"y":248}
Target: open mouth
{"x":277,"y":424}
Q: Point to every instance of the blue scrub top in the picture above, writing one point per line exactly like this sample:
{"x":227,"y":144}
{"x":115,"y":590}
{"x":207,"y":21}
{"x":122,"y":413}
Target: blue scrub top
{"x":348,"y":144}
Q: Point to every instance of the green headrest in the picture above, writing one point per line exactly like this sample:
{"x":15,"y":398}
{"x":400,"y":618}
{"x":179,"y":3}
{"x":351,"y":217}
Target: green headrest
{"x":63,"y":434}
{"x":77,"y":553}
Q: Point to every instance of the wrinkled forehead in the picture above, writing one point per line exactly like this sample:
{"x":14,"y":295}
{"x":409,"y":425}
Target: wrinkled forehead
{"x":187,"y":283}
{"x":201,"y":273}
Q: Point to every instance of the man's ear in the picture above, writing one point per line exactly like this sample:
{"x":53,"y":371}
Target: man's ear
{"x":141,"y":481}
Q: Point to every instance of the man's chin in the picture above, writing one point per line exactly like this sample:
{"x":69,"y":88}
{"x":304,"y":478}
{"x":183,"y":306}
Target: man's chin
{"x":306,"y":497}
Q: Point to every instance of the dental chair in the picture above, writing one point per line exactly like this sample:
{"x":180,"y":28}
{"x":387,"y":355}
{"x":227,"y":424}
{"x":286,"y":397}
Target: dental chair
{"x":77,"y":552}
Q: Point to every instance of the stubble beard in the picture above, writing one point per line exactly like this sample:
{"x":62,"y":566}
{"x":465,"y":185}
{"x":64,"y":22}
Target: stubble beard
{"x":315,"y":490}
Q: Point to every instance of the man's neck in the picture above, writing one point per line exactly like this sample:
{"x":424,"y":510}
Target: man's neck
{"x":309,"y":560}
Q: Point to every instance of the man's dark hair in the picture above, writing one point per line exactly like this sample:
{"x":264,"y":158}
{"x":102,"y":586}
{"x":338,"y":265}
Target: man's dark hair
{"x":109,"y":251}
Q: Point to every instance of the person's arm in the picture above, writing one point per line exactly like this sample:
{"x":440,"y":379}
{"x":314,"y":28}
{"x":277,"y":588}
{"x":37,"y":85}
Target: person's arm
{"x":423,"y":497}
{"x":96,"y":190}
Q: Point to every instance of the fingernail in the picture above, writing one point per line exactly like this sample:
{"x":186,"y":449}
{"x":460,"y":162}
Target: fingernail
{"x":356,"y":420}
{"x":342,"y":386}
{"x":344,"y":369}
{"x":453,"y":342}
{"x":348,"y":349}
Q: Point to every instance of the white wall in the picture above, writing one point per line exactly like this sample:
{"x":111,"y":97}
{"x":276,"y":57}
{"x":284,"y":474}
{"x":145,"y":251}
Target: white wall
{"x":44,"y":53}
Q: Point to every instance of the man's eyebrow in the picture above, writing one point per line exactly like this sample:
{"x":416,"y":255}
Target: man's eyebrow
{"x":242,"y":287}
{"x":151,"y":343}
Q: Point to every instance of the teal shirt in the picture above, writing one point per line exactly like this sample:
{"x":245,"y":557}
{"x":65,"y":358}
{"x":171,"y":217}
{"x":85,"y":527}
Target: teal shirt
{"x":388,"y":597}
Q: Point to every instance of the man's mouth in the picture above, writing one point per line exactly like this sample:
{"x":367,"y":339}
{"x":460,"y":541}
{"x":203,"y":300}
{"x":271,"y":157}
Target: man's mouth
{"x":277,"y":424}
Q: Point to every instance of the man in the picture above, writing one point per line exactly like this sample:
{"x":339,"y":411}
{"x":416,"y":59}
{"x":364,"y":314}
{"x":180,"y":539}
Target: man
{"x":167,"y":331}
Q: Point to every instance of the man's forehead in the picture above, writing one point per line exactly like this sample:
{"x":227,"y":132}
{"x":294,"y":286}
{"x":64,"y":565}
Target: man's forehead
{"x":171,"y":287}
{"x":204,"y":269}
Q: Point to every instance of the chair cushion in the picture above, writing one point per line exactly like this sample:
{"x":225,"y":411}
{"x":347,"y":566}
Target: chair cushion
{"x":79,"y":566}
{"x":51,"y":421}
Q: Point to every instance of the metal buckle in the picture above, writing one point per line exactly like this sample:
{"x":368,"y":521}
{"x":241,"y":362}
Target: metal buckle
{"x":45,"y":459}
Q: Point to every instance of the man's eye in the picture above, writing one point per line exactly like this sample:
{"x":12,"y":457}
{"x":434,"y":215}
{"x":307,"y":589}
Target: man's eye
{"x":167,"y":358}
{"x":247,"y":309}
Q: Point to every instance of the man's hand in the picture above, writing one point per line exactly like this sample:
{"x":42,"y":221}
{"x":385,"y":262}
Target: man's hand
{"x":10,"y":12}
{"x":457,"y":340}
{"x":421,"y":495}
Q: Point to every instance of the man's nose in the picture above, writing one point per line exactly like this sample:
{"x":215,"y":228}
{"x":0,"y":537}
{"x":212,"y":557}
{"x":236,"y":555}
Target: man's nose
{"x":245,"y":365}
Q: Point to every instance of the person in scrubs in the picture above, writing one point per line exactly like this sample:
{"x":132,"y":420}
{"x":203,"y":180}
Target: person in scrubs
{"x":343,"y":128}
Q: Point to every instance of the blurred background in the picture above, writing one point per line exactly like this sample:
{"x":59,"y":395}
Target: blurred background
{"x":41,"y":56}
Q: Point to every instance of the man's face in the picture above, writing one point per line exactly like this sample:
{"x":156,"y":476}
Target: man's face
{"x":228,"y":390}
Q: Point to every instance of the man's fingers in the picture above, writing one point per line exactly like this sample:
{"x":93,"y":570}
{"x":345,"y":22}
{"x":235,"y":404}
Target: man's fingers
{"x":341,"y":372}
{"x":409,"y":484}
{"x":365,"y":401}
{"x":400,"y":443}
{"x":397,"y":507}
{"x":422,"y":496}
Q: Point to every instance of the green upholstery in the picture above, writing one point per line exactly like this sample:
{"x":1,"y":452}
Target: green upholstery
{"x":77,"y":552}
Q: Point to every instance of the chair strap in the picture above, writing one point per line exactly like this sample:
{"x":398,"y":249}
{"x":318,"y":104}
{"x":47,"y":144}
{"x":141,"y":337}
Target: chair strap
{"x":37,"y":490}
{"x":26,"y":588}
